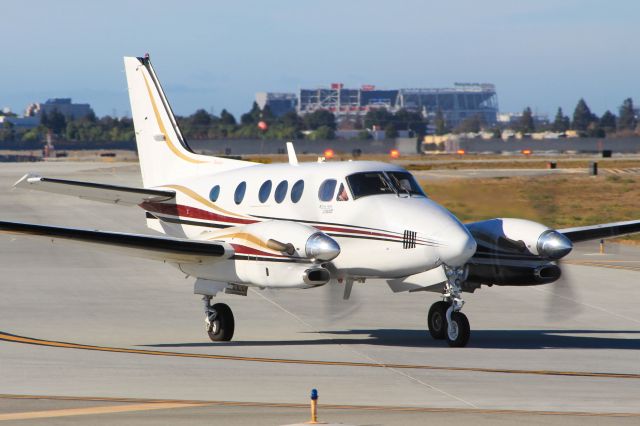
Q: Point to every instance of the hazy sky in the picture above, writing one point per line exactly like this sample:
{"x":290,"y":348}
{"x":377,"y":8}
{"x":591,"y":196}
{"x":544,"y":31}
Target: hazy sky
{"x":217,"y":54}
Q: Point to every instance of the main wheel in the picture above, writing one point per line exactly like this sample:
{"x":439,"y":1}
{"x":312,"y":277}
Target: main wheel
{"x":224,"y":324}
{"x":458,"y":331}
{"x":437,"y":320}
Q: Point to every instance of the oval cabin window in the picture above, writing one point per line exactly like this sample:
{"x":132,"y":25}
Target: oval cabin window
{"x":281,"y":191}
{"x":238,"y":196}
{"x":265,"y":191}
{"x":214,"y":193}
{"x":327,"y":189}
{"x":296,"y":191}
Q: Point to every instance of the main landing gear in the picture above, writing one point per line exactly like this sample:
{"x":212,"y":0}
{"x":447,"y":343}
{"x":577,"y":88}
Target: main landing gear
{"x":218,"y":320}
{"x":445,"y":320}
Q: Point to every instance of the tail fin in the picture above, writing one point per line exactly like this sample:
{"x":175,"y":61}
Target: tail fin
{"x":164,"y":155}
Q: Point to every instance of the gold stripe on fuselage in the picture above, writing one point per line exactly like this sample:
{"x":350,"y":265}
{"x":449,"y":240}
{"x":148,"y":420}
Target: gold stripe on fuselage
{"x":194,"y":195}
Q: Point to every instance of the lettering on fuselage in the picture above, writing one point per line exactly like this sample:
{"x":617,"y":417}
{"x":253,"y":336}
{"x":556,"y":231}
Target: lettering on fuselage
{"x":326,"y":208}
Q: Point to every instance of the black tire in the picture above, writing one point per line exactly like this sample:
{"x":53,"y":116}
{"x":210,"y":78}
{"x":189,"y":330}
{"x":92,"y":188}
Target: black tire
{"x":460,"y":338}
{"x":437,"y":320}
{"x":224,"y":324}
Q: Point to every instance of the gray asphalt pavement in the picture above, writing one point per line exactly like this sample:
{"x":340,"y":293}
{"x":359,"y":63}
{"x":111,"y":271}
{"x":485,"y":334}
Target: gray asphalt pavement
{"x":551,"y":354}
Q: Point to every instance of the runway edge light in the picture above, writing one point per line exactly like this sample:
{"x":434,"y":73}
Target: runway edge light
{"x":314,"y":407}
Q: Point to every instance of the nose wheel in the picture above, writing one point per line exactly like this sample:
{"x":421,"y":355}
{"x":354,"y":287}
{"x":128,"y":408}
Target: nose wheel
{"x":456,"y":330}
{"x":437,"y":320}
{"x":445,"y":321}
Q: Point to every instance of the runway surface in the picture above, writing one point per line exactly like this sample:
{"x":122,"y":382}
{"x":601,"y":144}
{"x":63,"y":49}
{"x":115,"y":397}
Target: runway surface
{"x":88,"y":336}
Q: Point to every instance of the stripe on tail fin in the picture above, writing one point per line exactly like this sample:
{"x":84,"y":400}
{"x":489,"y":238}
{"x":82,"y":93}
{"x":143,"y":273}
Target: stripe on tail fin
{"x":164,"y":154}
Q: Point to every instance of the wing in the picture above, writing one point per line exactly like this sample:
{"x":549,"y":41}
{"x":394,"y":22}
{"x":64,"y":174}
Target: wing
{"x":94,"y":191}
{"x":605,"y":230}
{"x":146,"y":246}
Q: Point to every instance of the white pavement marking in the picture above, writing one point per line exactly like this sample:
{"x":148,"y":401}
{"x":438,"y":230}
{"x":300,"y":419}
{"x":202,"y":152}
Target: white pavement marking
{"x":357,"y":352}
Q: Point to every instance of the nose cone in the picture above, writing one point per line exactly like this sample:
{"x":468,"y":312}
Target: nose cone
{"x":457,"y":245}
{"x":553,"y":245}
{"x":320,"y":246}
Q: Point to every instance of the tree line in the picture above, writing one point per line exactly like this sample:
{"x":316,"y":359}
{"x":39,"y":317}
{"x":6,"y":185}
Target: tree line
{"x":260,"y":123}
{"x":583,"y":121}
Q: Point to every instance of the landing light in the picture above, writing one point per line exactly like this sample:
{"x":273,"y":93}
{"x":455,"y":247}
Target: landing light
{"x":328,"y":153}
{"x":394,"y":153}
{"x":526,"y":151}
{"x":461,"y":152}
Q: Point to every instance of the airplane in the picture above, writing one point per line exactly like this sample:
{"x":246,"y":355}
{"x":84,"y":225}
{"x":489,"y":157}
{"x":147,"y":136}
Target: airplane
{"x":235,"y":225}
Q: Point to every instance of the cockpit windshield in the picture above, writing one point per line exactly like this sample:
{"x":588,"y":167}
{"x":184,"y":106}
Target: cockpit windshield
{"x":369,"y":183}
{"x":405,"y":183}
{"x":374,"y":183}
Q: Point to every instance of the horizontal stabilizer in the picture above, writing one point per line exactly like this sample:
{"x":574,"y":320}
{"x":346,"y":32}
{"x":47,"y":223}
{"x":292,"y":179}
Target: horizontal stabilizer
{"x":145,"y":246}
{"x":605,"y":230}
{"x":95,"y":191}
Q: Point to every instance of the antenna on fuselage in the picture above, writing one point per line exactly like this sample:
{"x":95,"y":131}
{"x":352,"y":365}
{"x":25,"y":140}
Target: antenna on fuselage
{"x":291,"y":152}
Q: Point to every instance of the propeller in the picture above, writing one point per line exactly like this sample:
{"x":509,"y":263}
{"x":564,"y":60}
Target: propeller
{"x":339,"y":300}
{"x":563,"y":301}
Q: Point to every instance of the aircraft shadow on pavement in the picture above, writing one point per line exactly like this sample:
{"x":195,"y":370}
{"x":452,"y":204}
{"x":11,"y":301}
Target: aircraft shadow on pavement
{"x":483,"y":339}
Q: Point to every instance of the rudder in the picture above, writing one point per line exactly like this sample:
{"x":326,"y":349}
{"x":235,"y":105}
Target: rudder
{"x":163,"y":153}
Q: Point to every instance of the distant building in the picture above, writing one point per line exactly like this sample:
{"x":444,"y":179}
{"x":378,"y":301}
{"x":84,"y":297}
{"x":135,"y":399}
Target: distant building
{"x":62,"y":105}
{"x":462,"y":101}
{"x":278,"y":103}
{"x":20,"y":123}
{"x":511,"y":119}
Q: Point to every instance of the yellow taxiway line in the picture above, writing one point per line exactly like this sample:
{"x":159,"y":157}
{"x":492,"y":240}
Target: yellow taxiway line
{"x":140,"y":404}
{"x":85,"y":411}
{"x":50,"y":343}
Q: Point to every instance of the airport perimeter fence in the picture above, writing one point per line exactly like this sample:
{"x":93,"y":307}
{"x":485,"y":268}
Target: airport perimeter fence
{"x":625,"y":145}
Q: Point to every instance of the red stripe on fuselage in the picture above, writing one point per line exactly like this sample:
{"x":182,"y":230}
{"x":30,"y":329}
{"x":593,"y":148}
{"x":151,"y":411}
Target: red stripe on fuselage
{"x":355,"y":231}
{"x":196,"y":213}
{"x":240,"y":249}
{"x":192,"y":212}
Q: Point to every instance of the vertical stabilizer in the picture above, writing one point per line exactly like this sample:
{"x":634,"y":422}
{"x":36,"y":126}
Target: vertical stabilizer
{"x":163,"y":152}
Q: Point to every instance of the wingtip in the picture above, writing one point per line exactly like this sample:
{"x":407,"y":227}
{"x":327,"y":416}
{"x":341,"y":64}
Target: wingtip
{"x":29,"y":178}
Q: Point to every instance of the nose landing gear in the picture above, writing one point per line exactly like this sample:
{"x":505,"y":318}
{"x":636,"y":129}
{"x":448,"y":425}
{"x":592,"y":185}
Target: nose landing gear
{"x":218,"y":320}
{"x":445,"y":320}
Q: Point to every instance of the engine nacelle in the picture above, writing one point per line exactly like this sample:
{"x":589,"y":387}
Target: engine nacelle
{"x":515,"y":275}
{"x":260,"y":273}
{"x":519,"y":237}
{"x":290,"y":238}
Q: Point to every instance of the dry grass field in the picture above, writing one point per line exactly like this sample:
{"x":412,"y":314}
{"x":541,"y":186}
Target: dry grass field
{"x":557,"y":201}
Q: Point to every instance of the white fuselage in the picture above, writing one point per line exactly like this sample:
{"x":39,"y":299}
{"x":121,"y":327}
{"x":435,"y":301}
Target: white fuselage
{"x":387,"y":235}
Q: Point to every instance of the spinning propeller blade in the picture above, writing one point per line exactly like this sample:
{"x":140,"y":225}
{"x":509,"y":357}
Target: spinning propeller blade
{"x":340,"y":300}
{"x":563,"y":302}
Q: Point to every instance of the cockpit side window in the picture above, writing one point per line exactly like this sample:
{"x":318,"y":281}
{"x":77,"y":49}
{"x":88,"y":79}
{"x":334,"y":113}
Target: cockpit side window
{"x":327,"y":189}
{"x":343,"y":195}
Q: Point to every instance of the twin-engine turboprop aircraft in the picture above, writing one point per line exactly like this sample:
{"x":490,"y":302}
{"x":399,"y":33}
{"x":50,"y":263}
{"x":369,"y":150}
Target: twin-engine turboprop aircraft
{"x":236,"y":224}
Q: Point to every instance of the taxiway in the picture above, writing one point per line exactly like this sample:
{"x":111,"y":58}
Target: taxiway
{"x":92,"y":336}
